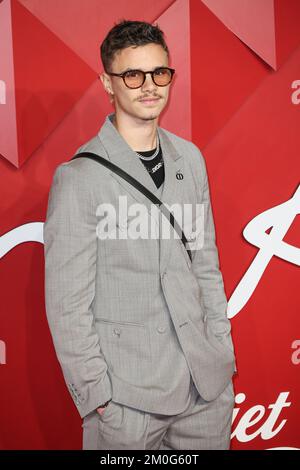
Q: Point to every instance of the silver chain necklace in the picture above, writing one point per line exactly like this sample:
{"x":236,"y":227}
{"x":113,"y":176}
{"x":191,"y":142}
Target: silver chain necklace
{"x":152,"y":156}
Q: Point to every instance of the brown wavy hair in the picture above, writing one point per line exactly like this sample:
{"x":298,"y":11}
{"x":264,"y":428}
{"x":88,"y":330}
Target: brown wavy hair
{"x":128,"y":33}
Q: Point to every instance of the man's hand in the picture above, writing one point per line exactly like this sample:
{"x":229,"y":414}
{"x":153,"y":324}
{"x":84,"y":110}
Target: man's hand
{"x":100,"y":410}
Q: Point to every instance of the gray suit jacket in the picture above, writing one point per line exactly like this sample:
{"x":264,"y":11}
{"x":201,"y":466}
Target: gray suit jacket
{"x":133,"y":319}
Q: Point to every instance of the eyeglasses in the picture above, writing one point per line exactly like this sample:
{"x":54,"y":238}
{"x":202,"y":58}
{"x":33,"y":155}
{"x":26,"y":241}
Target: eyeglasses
{"x":161,"y":76}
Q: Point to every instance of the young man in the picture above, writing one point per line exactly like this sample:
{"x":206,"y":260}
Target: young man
{"x":139,"y":328}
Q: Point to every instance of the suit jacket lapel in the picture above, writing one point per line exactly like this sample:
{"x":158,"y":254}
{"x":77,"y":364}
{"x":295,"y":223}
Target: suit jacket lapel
{"x":119,"y":152}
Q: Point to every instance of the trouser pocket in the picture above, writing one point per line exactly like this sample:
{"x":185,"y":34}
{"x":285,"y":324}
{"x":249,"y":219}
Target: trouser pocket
{"x":122,"y":427}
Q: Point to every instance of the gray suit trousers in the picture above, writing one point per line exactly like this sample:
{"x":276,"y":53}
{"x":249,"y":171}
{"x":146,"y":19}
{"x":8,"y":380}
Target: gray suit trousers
{"x":202,"y":425}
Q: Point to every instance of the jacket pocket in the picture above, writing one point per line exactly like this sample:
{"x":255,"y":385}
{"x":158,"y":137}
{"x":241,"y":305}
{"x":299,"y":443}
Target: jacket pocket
{"x":126,"y":347}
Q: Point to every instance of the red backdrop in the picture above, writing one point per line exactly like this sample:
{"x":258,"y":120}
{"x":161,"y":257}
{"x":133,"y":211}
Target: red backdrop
{"x":237,"y":92}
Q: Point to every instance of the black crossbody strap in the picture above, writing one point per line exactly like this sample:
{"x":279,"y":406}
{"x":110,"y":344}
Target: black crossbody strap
{"x":142,"y":189}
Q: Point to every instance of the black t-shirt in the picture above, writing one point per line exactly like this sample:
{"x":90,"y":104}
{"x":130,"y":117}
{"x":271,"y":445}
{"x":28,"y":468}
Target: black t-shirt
{"x":154,"y":165}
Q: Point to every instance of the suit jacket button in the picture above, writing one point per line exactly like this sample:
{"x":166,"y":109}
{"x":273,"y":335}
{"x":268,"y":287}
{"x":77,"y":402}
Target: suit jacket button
{"x":161,"y":329}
